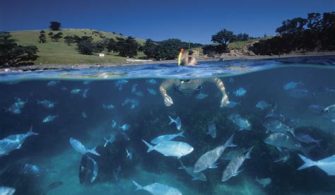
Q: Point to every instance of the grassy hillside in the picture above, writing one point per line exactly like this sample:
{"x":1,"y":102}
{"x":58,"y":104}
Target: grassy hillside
{"x":61,"y":53}
{"x":238,"y":45}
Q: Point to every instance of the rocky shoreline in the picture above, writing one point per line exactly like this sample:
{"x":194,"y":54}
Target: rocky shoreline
{"x":233,"y":55}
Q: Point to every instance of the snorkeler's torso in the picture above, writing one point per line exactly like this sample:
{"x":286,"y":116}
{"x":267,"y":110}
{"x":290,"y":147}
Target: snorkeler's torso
{"x":189,"y":87}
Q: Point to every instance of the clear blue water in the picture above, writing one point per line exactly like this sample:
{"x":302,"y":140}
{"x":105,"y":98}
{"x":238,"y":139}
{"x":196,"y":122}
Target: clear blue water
{"x":125,"y":103}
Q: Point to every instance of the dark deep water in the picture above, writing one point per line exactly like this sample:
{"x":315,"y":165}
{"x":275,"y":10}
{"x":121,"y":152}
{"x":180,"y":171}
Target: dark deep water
{"x":133,"y":110}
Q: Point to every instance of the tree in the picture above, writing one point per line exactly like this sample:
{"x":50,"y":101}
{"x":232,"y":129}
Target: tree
{"x":57,"y":36}
{"x":223,"y":37}
{"x":292,"y":26}
{"x":169,"y":49}
{"x":85,"y":47}
{"x":55,"y":26}
{"x":50,"y":34}
{"x":242,"y":37}
{"x":12,"y":54}
{"x":69,"y":40}
{"x":111,"y":46}
{"x":100,"y":46}
{"x":150,"y":48}
{"x":42,"y":38}
{"x":127,"y":47}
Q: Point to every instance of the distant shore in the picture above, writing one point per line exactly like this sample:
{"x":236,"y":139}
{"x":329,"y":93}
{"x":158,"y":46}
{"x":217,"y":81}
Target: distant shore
{"x":222,"y":58}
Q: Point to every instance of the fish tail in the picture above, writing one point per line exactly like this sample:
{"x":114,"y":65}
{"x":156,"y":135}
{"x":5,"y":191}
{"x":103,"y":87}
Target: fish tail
{"x":138,"y":186}
{"x":247,"y":156}
{"x":93,"y":151}
{"x":150,"y":147}
{"x":308,"y":162}
{"x":181,"y":165}
{"x":229,"y":142}
{"x":30,"y":132}
{"x":171,"y":120}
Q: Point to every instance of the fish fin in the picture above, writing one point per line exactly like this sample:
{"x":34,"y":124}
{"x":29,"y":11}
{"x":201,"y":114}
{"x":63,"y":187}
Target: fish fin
{"x":181,"y":134}
{"x":238,"y":172}
{"x":213,"y":166}
{"x":138,"y":186}
{"x":229,"y":142}
{"x":93,"y":151}
{"x":247,"y":156}
{"x":279,"y":149}
{"x":307,"y":162}
{"x":150,"y":147}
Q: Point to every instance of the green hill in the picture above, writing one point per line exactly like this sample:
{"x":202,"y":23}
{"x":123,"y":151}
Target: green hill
{"x":61,"y":53}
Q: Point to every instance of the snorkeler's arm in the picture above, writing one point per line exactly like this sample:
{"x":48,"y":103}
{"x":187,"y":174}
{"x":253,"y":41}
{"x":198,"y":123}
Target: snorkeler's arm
{"x":218,"y":82}
{"x":166,"y":85}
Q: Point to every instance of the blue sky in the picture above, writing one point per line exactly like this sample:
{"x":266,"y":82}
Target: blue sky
{"x":189,"y":20}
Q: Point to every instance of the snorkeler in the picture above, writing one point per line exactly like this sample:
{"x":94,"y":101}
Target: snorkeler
{"x":190,"y":87}
{"x":186,"y":59}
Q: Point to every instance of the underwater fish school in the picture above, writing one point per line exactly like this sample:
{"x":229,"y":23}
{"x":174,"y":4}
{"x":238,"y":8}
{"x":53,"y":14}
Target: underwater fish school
{"x":215,"y":97}
{"x":265,"y":127}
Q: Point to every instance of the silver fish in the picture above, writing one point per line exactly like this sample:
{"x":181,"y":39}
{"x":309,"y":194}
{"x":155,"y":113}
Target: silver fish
{"x":133,"y":103}
{"x":125,"y":127}
{"x":52,"y":83}
{"x":231,"y":154}
{"x":46,"y":103}
{"x":14,"y":142}
{"x":83,"y":114}
{"x":6,"y":190}
{"x":151,"y":81}
{"x":167,"y":137}
{"x":114,"y":123}
{"x":307,"y":139}
{"x":233,"y":168}
{"x":282,"y":140}
{"x":239,"y":121}
{"x":152,"y":91}
{"x":330,"y":108}
{"x":75,"y":91}
{"x":195,"y":176}
{"x":49,"y":118}
{"x":31,"y":169}
{"x":79,"y":147}
{"x":232,"y":104}
{"x":108,"y":106}
{"x":158,"y":189}
{"x":176,"y":121}
{"x":208,"y":160}
{"x":264,"y":182}
{"x":327,"y":164}
{"x":292,"y":85}
{"x":171,"y":148}
{"x":211,"y":129}
{"x":120,"y":83}
{"x":134,"y":88}
{"x":240,"y":92}
{"x":84,"y":95}
{"x":274,"y":126}
{"x":298,"y":93}
{"x":17,"y":106}
{"x":129,"y":154}
{"x":201,"y":96}
{"x":262,"y":105}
